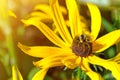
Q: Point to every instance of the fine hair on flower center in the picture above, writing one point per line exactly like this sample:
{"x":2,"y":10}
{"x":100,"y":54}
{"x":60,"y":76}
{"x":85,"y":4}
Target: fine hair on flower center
{"x":82,"y":46}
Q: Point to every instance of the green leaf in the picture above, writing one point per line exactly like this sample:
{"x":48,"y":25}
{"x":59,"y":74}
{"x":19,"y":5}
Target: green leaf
{"x":110,"y":52}
{"x":107,"y":75}
{"x":108,"y":27}
{"x":32,"y":73}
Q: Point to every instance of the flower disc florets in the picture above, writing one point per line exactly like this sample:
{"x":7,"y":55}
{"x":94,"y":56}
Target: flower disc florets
{"x":82,"y":46}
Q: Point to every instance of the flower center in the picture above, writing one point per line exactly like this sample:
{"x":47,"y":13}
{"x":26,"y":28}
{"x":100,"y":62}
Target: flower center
{"x":82,"y":46}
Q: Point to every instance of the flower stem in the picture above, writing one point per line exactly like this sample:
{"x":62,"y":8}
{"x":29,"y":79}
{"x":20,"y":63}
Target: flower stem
{"x":78,"y":73}
{"x":10,"y":46}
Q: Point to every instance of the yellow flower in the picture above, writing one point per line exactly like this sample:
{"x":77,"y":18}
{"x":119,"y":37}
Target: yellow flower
{"x":4,"y":16}
{"x":75,"y":47}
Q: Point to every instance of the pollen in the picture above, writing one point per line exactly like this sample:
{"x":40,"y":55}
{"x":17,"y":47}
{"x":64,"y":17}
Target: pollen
{"x":82,"y":46}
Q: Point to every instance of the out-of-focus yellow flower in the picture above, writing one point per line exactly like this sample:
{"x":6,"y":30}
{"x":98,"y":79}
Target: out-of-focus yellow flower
{"x":75,"y":47}
{"x":3,"y":10}
{"x":4,"y":16}
{"x":16,"y":74}
{"x":10,"y":13}
{"x":43,"y":13}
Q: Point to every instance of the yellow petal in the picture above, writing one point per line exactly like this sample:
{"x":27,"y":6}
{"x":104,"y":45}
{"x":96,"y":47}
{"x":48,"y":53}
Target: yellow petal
{"x":44,"y":8}
{"x":95,"y":20}
{"x":16,"y":74}
{"x":47,"y":32}
{"x":37,"y":13}
{"x":110,"y":65}
{"x":106,"y":41}
{"x":86,"y":67}
{"x":30,"y":21}
{"x":59,"y":21}
{"x":71,"y":61}
{"x":43,"y":51}
{"x":41,"y":16}
{"x":11,"y":14}
{"x":52,"y":61}
{"x":74,"y":19}
{"x":96,"y":75}
{"x":63,"y":10}
{"x":40,"y":74}
{"x":3,"y":10}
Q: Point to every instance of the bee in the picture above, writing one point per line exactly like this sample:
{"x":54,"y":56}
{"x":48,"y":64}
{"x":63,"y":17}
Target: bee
{"x":82,"y":46}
